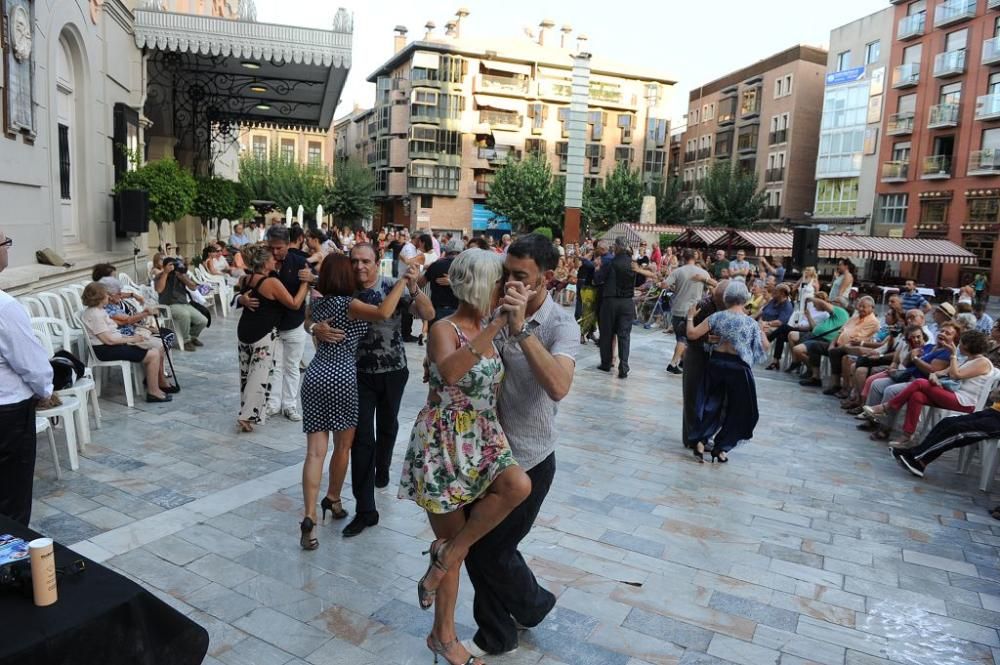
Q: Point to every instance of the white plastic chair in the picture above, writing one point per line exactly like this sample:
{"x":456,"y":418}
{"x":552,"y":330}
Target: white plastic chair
{"x":43,"y":425}
{"x":933,"y":415}
{"x":130,"y":372}
{"x":220,"y":288}
{"x":128,"y":282}
{"x":81,"y":389}
{"x":55,"y":307}
{"x":32,"y":305}
{"x":989,"y":453}
{"x":65,"y":412}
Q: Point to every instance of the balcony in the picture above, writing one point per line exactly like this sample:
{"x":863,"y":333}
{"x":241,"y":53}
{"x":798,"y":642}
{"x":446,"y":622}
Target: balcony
{"x":498,"y":155}
{"x":687,"y":186}
{"x":897,"y":171}
{"x":704,"y":153}
{"x":774,"y":175}
{"x":690,"y":155}
{"x":770,"y":212}
{"x":906,"y":75}
{"x":900,"y":124}
{"x":482,"y":188}
{"x":723,"y":149}
{"x":911,"y":26}
{"x":953,"y":11}
{"x":943,"y":115}
{"x":936,"y":167}
{"x":988,"y":107}
{"x":747,"y":142}
{"x":778,"y":136}
{"x":949,"y":63}
{"x":504,"y":85}
{"x":984,"y":162}
{"x":501,"y":119}
{"x":993,"y":4}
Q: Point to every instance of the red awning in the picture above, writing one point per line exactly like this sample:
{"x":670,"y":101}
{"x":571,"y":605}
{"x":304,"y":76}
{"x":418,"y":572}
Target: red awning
{"x":699,"y":236}
{"x":918,"y":250}
{"x":779,"y":243}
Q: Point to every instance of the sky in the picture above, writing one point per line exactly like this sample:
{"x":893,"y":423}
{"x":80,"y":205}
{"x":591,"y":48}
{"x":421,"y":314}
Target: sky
{"x":683,"y":39}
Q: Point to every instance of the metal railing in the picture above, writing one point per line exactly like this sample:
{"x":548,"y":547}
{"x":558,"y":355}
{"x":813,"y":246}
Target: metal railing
{"x":777,"y":136}
{"x":949,"y":63}
{"x":943,"y":115}
{"x":952,"y":11}
{"x":911,"y":26}
{"x":896,"y":171}
{"x":988,"y":107}
{"x":936,"y":166}
{"x":984,"y":162}
{"x":775,"y":174}
{"x":900,"y":123}
{"x":906,"y":75}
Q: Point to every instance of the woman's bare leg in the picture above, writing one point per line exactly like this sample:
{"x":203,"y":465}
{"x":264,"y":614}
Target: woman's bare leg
{"x":317,"y":444}
{"x":447,"y":527}
{"x":342,"y":442}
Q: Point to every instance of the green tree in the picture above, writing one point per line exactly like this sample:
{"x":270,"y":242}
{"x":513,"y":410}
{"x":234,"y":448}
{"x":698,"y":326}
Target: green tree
{"x":171,"y":189}
{"x":672,"y":206}
{"x":349,"y":198}
{"x":284,"y":182}
{"x":216,"y":199}
{"x":618,"y":199}
{"x":731,"y":196}
{"x":524,"y":191}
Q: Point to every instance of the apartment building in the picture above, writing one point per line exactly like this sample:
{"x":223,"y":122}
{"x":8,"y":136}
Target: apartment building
{"x":305,"y":146}
{"x":766,"y":118}
{"x":941,"y":156}
{"x":449,"y":111}
{"x":847,"y":163}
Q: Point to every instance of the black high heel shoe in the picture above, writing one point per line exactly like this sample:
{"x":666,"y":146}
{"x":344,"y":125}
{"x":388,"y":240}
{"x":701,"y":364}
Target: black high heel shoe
{"x":699,"y":454}
{"x":306,"y":539}
{"x":335,"y":508}
{"x":718,"y":456}
{"x":426,"y":596}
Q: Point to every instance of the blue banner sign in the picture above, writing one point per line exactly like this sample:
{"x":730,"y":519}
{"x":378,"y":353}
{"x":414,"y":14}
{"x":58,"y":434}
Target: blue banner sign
{"x":484,"y":219}
{"x":846,"y":76}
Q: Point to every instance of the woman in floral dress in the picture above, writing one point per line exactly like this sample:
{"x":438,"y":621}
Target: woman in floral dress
{"x":459,"y":467}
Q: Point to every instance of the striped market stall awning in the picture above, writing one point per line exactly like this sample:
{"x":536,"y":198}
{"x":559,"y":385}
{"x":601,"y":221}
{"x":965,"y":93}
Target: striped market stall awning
{"x":699,"y":236}
{"x":779,"y":243}
{"x":917,"y":250}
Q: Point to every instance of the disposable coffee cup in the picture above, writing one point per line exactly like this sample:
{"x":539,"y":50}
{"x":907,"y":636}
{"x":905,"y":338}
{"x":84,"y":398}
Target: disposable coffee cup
{"x":43,"y":571}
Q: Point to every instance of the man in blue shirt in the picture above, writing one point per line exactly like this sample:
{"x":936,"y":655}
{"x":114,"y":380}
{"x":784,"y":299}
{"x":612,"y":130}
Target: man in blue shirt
{"x":238,"y":237}
{"x":912,"y":299}
{"x":984,"y":322}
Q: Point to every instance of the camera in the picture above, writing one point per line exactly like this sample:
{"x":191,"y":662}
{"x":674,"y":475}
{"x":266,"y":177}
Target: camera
{"x":179,"y":266}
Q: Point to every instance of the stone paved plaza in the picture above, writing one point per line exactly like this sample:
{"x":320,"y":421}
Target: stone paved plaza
{"x":810,"y":546}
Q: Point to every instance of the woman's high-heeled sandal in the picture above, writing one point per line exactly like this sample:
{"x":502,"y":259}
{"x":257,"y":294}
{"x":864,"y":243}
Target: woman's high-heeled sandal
{"x":439,"y":648}
{"x":306,"y":539}
{"x":699,"y":455}
{"x":718,"y":456}
{"x":335,"y":508}
{"x":425,"y":596}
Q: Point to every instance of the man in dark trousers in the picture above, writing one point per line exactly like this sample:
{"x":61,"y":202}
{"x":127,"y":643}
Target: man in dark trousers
{"x":617,"y":278}
{"x":696,"y":358}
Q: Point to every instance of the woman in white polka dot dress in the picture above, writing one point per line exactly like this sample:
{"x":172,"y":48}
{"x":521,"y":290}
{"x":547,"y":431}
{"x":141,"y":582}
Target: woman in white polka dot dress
{"x":330,"y":387}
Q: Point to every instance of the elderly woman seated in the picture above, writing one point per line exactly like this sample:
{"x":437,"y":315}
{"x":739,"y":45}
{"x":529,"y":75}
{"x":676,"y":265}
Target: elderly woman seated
{"x":110,"y":344}
{"x":124,"y":312}
{"x":874,"y":355}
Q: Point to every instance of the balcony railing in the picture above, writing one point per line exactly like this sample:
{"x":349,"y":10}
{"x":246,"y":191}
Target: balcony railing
{"x":911,"y":26}
{"x":906,"y":75}
{"x":687,"y":186}
{"x":704,"y":153}
{"x":498,"y":154}
{"x":778,"y":136}
{"x":988,"y":106}
{"x":991,"y":50}
{"x":503,"y":84}
{"x":724,"y":149}
{"x":953,"y":11}
{"x":993,"y":4}
{"x":897,"y":171}
{"x":943,"y":115}
{"x":949,"y":63}
{"x":494,"y":118}
{"x":770,"y":212}
{"x":690,"y":155}
{"x":482,"y":187}
{"x":900,"y":124}
{"x":935,"y":167}
{"x":984,"y":162}
{"x":747,"y":142}
{"x":775,"y":175}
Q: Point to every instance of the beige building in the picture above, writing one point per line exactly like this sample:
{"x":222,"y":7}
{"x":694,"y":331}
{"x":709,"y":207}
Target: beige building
{"x":766,"y":118}
{"x":449,"y":111}
{"x":305,"y":146}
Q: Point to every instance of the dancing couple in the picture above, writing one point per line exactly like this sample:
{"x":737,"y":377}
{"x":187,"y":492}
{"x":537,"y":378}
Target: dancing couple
{"x":481,"y":455}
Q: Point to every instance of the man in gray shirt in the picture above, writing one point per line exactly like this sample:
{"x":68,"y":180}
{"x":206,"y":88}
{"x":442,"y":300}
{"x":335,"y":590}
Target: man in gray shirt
{"x":688,"y":286}
{"x":538,"y":350}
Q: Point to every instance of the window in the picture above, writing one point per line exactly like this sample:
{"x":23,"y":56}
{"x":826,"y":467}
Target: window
{"x":836,"y":198}
{"x":450,"y":69}
{"x":654,"y":162}
{"x":563,"y":115}
{"x":625,"y":123}
{"x":727,"y":110}
{"x":842,"y":131}
{"x":708,"y":112}
{"x":873,"y":52}
{"x":891,"y":209}
{"x":912,"y":54}
{"x":657,"y":130}
{"x":843,"y":60}
{"x":623,"y":155}
{"x":315,"y":152}
{"x":432,"y":142}
{"x":934,"y":212}
{"x":562,"y":152}
{"x":426,"y":201}
{"x":538,"y":114}
{"x":445,"y":107}
{"x":991,"y":139}
{"x":594,"y":153}
{"x":534,"y":147}
{"x":907,"y":104}
{"x":288,"y":150}
{"x":694,"y":117}
{"x":750,"y":101}
{"x":64,"y":163}
{"x":901,"y":151}
{"x":260,"y":147}
{"x":424,"y":97}
{"x":381,"y":180}
{"x":432,"y":176}
{"x":724,"y":144}
{"x":597,"y":120}
{"x":993,"y":86}
{"x":956,"y":41}
{"x":984,"y":210}
{"x":950,"y":94}
{"x":982,"y":246}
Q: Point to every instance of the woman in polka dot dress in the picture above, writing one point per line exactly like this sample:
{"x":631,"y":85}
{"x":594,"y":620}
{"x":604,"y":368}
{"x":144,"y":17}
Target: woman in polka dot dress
{"x":329,"y":386}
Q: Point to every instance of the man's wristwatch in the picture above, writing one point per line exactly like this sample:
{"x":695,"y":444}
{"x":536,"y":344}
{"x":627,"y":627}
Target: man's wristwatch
{"x":523,"y":335}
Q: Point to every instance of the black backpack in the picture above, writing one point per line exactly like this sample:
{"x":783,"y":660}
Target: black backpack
{"x":66,"y":369}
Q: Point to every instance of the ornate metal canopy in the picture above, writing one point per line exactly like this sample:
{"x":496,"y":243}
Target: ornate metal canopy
{"x":208,"y":76}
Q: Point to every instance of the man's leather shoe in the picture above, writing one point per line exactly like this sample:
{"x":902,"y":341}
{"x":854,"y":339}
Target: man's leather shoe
{"x":360,"y":522}
{"x":381,"y":478}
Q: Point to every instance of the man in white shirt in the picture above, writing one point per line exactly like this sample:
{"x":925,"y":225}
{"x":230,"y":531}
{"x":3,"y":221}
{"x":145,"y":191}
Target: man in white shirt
{"x":740,"y":268}
{"x":25,"y":377}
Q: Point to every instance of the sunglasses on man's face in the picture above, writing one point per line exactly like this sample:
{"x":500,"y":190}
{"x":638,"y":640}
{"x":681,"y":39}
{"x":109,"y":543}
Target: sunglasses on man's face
{"x":7,"y":242}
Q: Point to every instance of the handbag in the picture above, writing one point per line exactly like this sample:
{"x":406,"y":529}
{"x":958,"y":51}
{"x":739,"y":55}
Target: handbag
{"x":950,"y":384}
{"x":899,"y":375}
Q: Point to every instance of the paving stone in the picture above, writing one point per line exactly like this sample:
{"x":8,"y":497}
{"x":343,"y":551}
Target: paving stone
{"x":846,"y":637}
{"x":742,"y":652}
{"x":684,"y":634}
{"x":66,"y":528}
{"x":220,"y":602}
{"x":797,"y":645}
{"x":175,"y":550}
{"x":223,"y":571}
{"x":939,"y":562}
{"x":339,"y":652}
{"x":282,"y":631}
{"x":758,"y":612}
{"x":105,"y":518}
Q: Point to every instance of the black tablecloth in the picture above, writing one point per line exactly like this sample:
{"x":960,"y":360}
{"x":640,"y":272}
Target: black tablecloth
{"x":101,"y":618}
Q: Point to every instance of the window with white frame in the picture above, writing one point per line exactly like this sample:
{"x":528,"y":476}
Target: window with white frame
{"x":891,"y":209}
{"x":260,"y":147}
{"x":843,"y":60}
{"x":708,"y":112}
{"x":783,"y":86}
{"x":873,"y":51}
{"x":694,"y":117}
{"x":836,"y":197}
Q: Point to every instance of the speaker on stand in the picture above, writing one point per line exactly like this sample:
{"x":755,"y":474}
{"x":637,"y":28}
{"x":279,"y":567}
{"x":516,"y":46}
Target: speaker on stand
{"x":805,"y":247}
{"x":132,"y":208}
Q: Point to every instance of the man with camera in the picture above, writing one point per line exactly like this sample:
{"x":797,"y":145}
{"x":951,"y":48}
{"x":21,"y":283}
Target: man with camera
{"x":172,"y":286}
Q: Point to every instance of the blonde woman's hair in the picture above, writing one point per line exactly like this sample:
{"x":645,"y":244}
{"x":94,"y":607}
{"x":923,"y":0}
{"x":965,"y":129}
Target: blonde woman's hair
{"x":255,"y":255}
{"x":810,"y":271}
{"x":474,"y":275}
{"x":93,"y":294}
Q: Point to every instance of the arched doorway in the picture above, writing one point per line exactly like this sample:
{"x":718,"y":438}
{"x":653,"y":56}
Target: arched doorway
{"x":66,"y":141}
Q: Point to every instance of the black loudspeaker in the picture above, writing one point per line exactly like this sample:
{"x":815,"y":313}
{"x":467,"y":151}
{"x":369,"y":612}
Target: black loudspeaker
{"x":805,"y":247}
{"x":133,"y":211}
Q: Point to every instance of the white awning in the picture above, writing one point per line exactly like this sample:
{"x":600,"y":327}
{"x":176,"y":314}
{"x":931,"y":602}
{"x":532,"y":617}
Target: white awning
{"x":426,"y":59}
{"x":500,"y":103}
{"x":510,"y":67}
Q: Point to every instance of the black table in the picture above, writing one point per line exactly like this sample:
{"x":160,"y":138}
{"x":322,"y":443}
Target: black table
{"x":101,"y":618}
